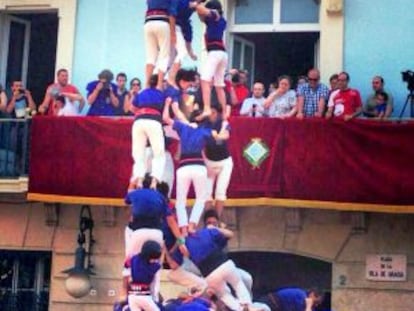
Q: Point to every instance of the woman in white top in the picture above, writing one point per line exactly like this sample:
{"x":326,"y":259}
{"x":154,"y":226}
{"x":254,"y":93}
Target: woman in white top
{"x":281,"y":103}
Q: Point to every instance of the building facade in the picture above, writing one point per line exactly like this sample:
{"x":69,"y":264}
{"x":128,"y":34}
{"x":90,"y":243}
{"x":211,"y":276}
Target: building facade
{"x":87,"y":36}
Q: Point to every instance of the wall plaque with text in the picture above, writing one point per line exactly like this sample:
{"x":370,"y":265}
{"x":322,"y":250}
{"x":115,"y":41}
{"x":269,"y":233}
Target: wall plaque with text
{"x":386,"y":268}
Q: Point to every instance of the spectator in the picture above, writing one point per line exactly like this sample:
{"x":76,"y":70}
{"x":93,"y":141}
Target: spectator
{"x":346,"y":103}
{"x":20,"y":101}
{"x":67,"y":105}
{"x":370,"y":109}
{"x":102,"y":95}
{"x":3,"y":101}
{"x":240,"y":89}
{"x":381,"y":99}
{"x":254,"y":106}
{"x":121,"y":93}
{"x":333,"y":82}
{"x":134,"y":89}
{"x":60,"y":86}
{"x":312,"y":96}
{"x":281,"y":103}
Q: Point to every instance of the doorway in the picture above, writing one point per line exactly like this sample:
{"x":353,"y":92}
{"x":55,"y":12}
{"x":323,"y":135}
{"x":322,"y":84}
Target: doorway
{"x":275,"y":54}
{"x":28,"y":45}
{"x":272,"y":271}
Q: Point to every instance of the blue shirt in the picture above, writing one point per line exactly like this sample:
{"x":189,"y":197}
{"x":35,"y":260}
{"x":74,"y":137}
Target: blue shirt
{"x":142,"y":272}
{"x":148,"y":202}
{"x":312,"y":97}
{"x":202,"y":244}
{"x":102,"y":106}
{"x":173,"y":93}
{"x":292,"y":299}
{"x":183,"y":19}
{"x":169,"y":6}
{"x":192,"y":141}
{"x":216,"y":25}
{"x":150,"y":98}
{"x":196,"y":304}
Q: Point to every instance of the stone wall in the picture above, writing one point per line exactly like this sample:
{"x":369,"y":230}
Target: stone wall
{"x":343,"y":239}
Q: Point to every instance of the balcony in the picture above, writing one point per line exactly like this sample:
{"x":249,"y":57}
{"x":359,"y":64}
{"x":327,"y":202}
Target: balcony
{"x":14,"y":154}
{"x":360,"y":165}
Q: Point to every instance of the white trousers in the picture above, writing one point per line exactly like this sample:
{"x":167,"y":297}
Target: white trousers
{"x":179,"y":52}
{"x":168,"y":172}
{"x":142,"y":303}
{"x":157,"y":44}
{"x":227,"y":273}
{"x":215,"y":67}
{"x":134,"y":239}
{"x":187,"y":275}
{"x":218,"y":172}
{"x":142,"y":131}
{"x":187,"y":175}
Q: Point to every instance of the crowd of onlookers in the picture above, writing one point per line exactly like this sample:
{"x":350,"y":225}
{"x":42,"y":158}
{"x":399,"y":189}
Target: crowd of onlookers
{"x":113,"y":96}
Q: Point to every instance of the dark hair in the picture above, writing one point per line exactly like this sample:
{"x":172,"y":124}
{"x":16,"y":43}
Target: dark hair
{"x":121,"y":75}
{"x":61,"y":70}
{"x":195,"y":114}
{"x":315,"y":290}
{"x":133,"y":80}
{"x":379,"y":78}
{"x":333,"y":77}
{"x":215,"y":5}
{"x":185,"y":75}
{"x":106,"y":74}
{"x":383,"y":94}
{"x":217,"y":107}
{"x":150,"y":250}
{"x":162,"y":187}
{"x":346,"y":74}
{"x":60,"y":98}
{"x":210,"y":213}
{"x":285,"y":77}
{"x":153,"y":81}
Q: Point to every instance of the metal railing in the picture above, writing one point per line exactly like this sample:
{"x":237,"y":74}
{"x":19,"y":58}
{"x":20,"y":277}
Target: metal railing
{"x":24,"y":301}
{"x":14,"y":147}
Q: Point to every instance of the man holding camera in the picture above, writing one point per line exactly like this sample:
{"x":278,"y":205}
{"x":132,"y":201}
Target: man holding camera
{"x":20,"y":102}
{"x":254,"y":106}
{"x":102,"y":95}
{"x":62,"y":86}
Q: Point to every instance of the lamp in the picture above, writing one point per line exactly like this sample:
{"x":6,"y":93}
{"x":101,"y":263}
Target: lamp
{"x":78,"y":283}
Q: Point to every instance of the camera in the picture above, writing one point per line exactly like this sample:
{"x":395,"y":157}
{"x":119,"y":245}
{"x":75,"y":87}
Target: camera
{"x":408,"y":76}
{"x":22,"y":91}
{"x":235,"y":78}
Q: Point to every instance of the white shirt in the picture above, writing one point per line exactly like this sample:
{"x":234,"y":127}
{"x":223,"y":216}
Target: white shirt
{"x":248,"y":103}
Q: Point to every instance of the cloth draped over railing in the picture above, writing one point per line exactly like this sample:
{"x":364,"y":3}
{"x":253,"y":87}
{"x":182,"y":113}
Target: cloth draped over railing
{"x":316,"y":163}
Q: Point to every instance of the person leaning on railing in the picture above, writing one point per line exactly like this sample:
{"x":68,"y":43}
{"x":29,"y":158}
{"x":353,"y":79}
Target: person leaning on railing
{"x":21,"y":101}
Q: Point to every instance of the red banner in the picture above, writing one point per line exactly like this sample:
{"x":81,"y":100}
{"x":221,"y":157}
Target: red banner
{"x":360,"y":162}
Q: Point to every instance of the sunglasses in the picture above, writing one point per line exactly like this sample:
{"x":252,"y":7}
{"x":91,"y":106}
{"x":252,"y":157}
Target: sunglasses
{"x":313,"y":79}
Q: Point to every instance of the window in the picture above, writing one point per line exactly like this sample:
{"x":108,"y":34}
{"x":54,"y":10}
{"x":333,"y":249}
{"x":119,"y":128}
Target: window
{"x":24,"y":280}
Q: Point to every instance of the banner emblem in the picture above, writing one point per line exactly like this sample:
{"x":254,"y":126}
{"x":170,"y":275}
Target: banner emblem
{"x":256,"y":152}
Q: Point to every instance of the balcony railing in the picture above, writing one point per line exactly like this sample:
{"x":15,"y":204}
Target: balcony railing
{"x":14,"y":147}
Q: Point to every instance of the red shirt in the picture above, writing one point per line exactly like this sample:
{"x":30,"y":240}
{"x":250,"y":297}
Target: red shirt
{"x":242,"y":92}
{"x":346,"y":102}
{"x":68,"y":88}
